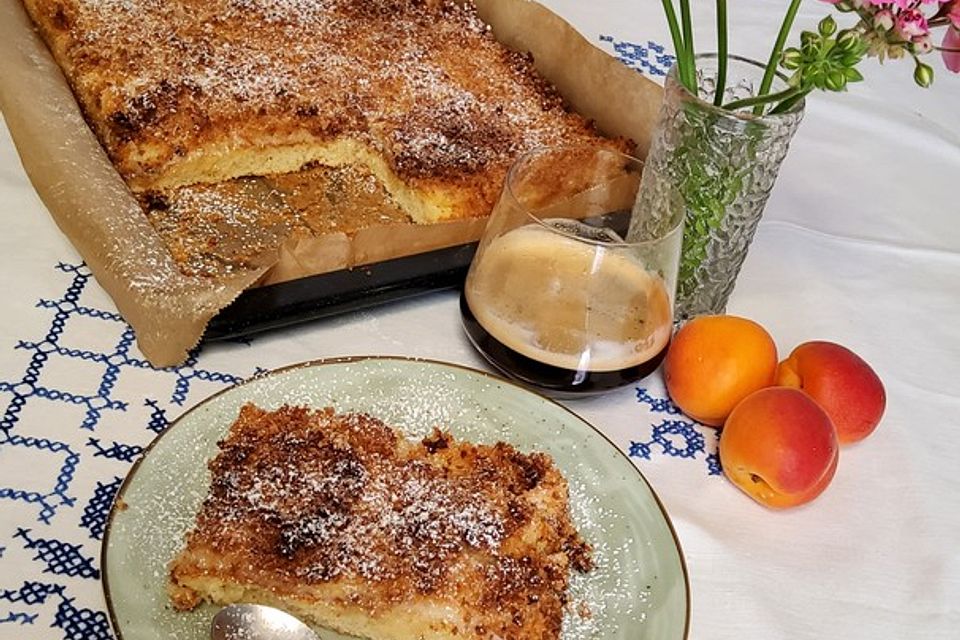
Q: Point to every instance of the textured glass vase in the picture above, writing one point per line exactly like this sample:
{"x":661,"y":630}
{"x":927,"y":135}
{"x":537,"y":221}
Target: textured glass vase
{"x":724,"y":164}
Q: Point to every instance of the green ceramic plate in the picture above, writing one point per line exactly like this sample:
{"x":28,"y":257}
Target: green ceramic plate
{"x":638,"y":589}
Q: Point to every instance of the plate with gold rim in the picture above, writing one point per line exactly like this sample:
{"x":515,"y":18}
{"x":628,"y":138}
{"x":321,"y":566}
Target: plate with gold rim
{"x":638,"y":588}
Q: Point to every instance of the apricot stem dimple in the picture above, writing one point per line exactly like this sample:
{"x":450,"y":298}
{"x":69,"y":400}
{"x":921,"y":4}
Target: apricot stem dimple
{"x":761,"y":488}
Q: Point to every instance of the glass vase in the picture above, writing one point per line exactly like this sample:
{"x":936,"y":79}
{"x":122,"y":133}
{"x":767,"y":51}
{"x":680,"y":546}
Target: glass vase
{"x":724,"y":164}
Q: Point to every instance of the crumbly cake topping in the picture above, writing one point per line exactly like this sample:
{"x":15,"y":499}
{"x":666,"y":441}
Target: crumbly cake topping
{"x":424,"y":82}
{"x":302,"y":497}
{"x":333,"y":495}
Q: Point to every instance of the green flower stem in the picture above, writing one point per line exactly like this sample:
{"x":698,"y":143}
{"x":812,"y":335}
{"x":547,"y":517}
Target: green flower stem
{"x":759,"y":101}
{"x":789,"y":102}
{"x":678,"y":46}
{"x":771,"y":69}
{"x":721,"y":52}
{"x":690,"y":69}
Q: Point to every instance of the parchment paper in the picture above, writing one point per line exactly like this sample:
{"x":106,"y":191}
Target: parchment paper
{"x":168,"y":310}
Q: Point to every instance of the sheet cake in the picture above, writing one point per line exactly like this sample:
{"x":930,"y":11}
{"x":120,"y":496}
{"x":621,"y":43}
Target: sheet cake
{"x":419,"y":92}
{"x":340,"y":520}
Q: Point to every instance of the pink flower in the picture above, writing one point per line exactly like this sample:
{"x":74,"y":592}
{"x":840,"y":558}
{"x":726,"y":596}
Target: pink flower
{"x":954,"y":14}
{"x":902,"y":4}
{"x":951,"y":49}
{"x":883,"y":19}
{"x":911,"y":24}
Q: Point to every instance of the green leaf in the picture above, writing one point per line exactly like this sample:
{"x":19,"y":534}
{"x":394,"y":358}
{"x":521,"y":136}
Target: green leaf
{"x":851,"y":58}
{"x":853,"y":75}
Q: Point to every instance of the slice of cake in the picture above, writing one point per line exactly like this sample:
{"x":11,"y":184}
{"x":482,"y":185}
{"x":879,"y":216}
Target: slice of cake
{"x":343,"y":522}
{"x":418,"y":92}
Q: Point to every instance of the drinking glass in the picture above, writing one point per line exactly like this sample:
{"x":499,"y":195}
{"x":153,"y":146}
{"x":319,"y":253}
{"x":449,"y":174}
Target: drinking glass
{"x":556,"y":297}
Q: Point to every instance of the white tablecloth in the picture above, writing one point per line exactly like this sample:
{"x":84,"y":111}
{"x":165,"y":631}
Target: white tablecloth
{"x":860,"y":244}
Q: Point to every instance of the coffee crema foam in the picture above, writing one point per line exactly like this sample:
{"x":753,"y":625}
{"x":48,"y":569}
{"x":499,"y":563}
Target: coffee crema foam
{"x":568,"y":303}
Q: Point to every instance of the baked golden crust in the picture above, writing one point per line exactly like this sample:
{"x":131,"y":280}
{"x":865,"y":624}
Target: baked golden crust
{"x":202,"y":91}
{"x":340,"y":520}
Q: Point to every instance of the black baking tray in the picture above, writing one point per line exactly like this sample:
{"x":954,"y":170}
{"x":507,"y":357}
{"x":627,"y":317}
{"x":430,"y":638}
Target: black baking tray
{"x":296,"y":301}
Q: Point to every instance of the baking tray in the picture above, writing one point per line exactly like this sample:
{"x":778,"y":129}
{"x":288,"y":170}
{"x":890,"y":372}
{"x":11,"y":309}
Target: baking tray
{"x":296,"y":301}
{"x":304,"y":299}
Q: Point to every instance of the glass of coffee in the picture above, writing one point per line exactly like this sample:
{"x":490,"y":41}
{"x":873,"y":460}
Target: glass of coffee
{"x":558,"y":296}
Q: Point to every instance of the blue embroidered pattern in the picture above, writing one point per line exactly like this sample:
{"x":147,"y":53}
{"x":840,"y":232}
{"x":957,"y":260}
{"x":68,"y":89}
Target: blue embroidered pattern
{"x":113,"y":362}
{"x":60,"y":557}
{"x":81,"y":624}
{"x":95,"y":513}
{"x":92,"y":401}
{"x":650,"y":58}
{"x":30,"y":594}
{"x":116,"y":451}
{"x":76,"y":623}
{"x":676,"y":437}
{"x":22,"y":618}
{"x":158,"y":417}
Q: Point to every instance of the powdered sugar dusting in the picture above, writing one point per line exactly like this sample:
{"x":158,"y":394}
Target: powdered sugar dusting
{"x":606,"y":593}
{"x":611,"y":602}
{"x":423,"y":82}
{"x":407,"y":505}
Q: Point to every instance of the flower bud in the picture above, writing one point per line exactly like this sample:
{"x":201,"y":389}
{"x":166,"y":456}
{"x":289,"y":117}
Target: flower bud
{"x":827,"y":27}
{"x":836,"y":80}
{"x":923,"y":74}
{"x":791,"y":59}
{"x":883,"y":20}
{"x":810,"y":44}
{"x":848,"y":40}
{"x":922,"y":45}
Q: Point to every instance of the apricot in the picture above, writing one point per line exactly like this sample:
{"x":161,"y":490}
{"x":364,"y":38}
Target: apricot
{"x":714,"y":362}
{"x":779,"y":447}
{"x":841,"y":382}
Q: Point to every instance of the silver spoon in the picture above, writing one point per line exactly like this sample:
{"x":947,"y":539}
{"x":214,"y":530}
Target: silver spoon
{"x":258,"y":622}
